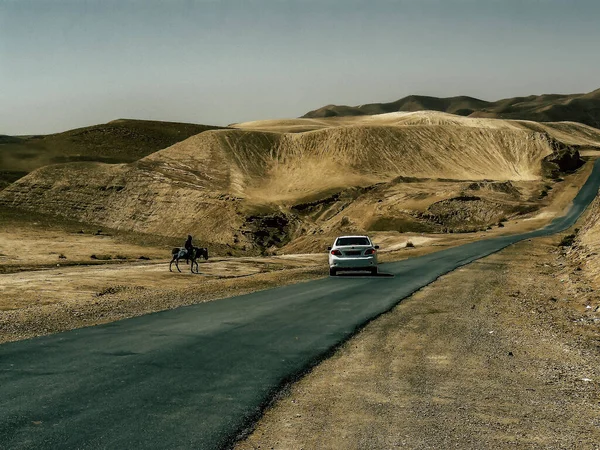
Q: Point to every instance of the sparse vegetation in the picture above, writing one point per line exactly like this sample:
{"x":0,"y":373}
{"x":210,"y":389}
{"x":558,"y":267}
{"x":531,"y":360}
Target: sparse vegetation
{"x":402,"y":224}
{"x":567,"y":241}
{"x":467,"y":214}
{"x":8,"y":177}
{"x":101,"y":257}
{"x":524,"y":209}
{"x":409,"y":244}
{"x":110,"y":290}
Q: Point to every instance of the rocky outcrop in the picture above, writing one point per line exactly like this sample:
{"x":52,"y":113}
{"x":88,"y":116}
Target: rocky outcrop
{"x":563,"y":160}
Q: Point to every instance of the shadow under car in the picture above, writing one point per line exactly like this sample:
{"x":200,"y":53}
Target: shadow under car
{"x":362,"y":274}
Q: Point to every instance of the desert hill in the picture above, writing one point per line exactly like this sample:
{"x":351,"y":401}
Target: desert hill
{"x":254,"y":189}
{"x":582,"y":108}
{"x":118,"y":141}
{"x":570,"y":133}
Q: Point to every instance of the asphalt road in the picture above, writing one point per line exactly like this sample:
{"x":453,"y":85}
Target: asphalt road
{"x":196,"y":376}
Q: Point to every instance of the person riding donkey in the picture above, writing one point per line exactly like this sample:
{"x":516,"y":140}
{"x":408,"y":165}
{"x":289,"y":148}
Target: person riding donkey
{"x":189,"y":253}
{"x":189,"y":247}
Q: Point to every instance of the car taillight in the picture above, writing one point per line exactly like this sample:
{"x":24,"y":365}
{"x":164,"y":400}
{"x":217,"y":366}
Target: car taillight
{"x":336,"y":252}
{"x":370,"y":251}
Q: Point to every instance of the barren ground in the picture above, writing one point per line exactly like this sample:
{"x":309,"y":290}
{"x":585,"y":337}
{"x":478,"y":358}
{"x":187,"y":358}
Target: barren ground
{"x":506,"y":359}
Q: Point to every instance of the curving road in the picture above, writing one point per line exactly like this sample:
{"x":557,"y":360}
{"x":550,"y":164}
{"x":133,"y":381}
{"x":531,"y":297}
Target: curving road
{"x":194,"y":377}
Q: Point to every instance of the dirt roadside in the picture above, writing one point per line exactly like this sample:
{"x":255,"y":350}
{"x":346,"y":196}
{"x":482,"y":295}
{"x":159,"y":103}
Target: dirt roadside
{"x":500,"y":353}
{"x":110,"y":293}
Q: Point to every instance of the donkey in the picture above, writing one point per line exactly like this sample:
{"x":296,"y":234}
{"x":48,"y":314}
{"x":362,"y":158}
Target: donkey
{"x":193,"y":256}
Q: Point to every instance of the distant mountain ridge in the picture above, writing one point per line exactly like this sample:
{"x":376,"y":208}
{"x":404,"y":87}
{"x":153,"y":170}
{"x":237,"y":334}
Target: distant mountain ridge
{"x":582,"y":108}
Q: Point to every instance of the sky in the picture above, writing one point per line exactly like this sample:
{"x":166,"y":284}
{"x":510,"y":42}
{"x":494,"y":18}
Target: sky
{"x":68,"y":64}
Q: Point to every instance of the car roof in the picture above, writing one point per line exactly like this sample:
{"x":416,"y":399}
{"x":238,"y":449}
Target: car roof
{"x":353,"y":236}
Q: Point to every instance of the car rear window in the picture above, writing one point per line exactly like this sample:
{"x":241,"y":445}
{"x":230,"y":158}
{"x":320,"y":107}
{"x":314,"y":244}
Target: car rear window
{"x":353,"y":241}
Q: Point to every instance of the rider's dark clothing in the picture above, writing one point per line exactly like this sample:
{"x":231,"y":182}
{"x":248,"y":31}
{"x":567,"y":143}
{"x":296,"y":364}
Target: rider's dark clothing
{"x":188,"y":245}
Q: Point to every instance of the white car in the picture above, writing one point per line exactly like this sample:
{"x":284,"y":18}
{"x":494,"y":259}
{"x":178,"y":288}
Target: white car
{"x":353,"y":253}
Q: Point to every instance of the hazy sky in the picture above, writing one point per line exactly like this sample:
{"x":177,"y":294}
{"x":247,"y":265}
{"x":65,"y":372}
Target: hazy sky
{"x":66,"y":64}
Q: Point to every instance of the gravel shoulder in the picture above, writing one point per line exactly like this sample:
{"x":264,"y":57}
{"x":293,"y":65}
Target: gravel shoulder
{"x":502,"y":352}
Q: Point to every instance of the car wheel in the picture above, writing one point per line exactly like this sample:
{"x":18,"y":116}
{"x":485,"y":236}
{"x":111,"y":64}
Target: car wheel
{"x":373,"y":270}
{"x":332,"y":272}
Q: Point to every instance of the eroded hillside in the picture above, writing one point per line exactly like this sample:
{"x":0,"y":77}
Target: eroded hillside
{"x":255,"y":190}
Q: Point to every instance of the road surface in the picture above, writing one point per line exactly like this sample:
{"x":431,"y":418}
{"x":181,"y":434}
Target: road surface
{"x":197,"y":376}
